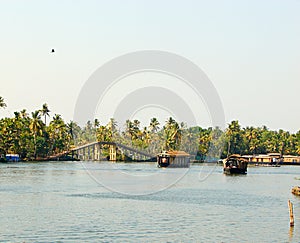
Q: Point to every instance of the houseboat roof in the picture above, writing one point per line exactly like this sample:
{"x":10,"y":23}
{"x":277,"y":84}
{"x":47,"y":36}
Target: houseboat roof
{"x":236,"y":156}
{"x":261,"y":155}
{"x":290,"y":156}
{"x":247,"y":156}
{"x":174,"y":153}
{"x":273,"y":154}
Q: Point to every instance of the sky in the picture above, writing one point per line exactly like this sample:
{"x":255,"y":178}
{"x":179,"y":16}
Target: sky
{"x":250,"y":50}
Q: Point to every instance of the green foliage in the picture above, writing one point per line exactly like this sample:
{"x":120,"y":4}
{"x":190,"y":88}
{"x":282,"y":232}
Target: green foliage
{"x":32,"y":138}
{"x":203,"y":143}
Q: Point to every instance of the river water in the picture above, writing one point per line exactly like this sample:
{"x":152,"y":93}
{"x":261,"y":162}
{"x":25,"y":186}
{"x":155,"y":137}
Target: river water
{"x":87,"y":202}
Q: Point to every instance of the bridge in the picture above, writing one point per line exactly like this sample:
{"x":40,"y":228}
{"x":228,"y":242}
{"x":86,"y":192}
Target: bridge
{"x":93,"y":151}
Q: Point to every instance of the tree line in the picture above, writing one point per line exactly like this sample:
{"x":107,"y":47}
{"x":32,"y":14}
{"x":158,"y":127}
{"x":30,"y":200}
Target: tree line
{"x":205,"y":143}
{"x":32,"y":138}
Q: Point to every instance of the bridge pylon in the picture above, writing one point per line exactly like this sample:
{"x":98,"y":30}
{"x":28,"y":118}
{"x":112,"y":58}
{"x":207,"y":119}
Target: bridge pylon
{"x":112,"y":152}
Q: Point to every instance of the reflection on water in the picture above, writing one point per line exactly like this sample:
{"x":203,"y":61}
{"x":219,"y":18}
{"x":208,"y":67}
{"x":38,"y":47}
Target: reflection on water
{"x":47,"y":202}
{"x":291,"y":234}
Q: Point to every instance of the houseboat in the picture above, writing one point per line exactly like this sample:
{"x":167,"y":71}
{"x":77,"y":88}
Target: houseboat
{"x":264,"y":159}
{"x":272,"y":159}
{"x":235,"y":164}
{"x":174,"y":159}
{"x":290,"y":160}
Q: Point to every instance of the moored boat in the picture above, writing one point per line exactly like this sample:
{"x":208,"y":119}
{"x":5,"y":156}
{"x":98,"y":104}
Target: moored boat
{"x":235,"y":164}
{"x":296,"y":190}
{"x":10,"y":158}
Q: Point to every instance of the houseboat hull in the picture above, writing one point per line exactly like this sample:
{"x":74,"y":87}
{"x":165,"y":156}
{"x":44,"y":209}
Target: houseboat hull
{"x":230,"y":171}
{"x":162,"y":164}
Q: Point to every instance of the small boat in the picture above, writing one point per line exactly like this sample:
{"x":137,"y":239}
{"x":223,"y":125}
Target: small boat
{"x":296,"y":190}
{"x":174,"y":159}
{"x":10,"y":158}
{"x":235,"y":164}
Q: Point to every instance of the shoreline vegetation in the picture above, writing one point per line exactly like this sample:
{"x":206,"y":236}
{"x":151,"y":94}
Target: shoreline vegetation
{"x":36,"y":137}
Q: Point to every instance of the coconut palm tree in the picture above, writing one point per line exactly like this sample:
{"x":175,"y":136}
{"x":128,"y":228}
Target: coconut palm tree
{"x":204,"y":143}
{"x":59,"y":135}
{"x":45,"y":111}
{"x":103,"y":134}
{"x":74,"y":131}
{"x":146,"y":138}
{"x":36,"y":126}
{"x":112,"y":124}
{"x":297,"y":144}
{"x":272,"y":141}
{"x":251,"y":135}
{"x":112,"y":128}
{"x":153,"y":130}
{"x":284,"y":141}
{"x":96,"y":123}
{"x":129,"y":131}
{"x":233,"y":136}
{"x":217,"y":144}
{"x":154,"y":125}
{"x":173,"y":134}
{"x":24,"y":114}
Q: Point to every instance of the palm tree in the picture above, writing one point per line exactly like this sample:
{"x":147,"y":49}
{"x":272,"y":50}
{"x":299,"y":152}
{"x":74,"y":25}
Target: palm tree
{"x":154,"y":145}
{"x":36,"y":126}
{"x":204,"y":142}
{"x":129,"y":130}
{"x":217,"y":143}
{"x":103,"y":134}
{"x":59,"y":135}
{"x":233,"y":135}
{"x":112,"y":127}
{"x":284,"y":141}
{"x":2,"y":103}
{"x":170,"y":121}
{"x":73,"y":129}
{"x":272,"y":141}
{"x":24,"y":114}
{"x":45,"y":111}
{"x":146,"y":138}
{"x":297,"y":143}
{"x":112,"y":124}
{"x":251,"y":135}
{"x":96,"y":123}
{"x":173,"y":134}
{"x":154,"y":125}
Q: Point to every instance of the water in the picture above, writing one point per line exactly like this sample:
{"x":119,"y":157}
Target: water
{"x":61,"y":202}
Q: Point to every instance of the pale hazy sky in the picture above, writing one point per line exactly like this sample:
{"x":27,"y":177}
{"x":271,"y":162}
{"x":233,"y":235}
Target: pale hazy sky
{"x":250,"y":50}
